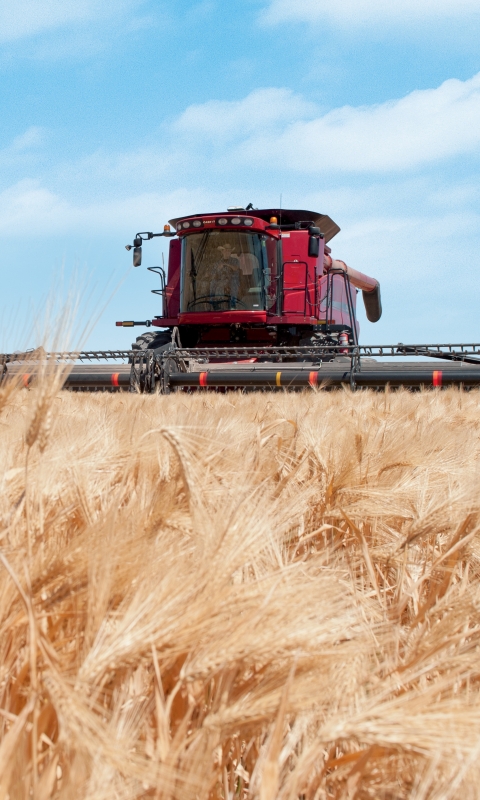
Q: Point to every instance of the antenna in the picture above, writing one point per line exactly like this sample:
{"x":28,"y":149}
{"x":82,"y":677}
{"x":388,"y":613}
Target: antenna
{"x":280,"y":215}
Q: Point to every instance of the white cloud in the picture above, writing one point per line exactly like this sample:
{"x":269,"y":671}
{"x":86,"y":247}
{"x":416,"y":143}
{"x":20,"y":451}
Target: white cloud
{"x":360,"y":12}
{"x":28,"y":209}
{"x":261,"y":109}
{"x":21,"y":149}
{"x":31,"y":138}
{"x":175,"y":153}
{"x":20,"y":18}
{"x":421,"y":128}
{"x":277,"y":132}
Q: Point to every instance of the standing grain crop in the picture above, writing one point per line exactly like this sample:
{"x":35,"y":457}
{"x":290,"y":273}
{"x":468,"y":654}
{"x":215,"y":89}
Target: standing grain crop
{"x":239,"y":596}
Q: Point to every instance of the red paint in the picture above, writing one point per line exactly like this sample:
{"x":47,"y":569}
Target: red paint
{"x":295,"y":296}
{"x":115,"y":379}
{"x":172,"y":291}
{"x":343,"y":340}
{"x":26,"y":381}
{"x":209,"y":223}
{"x":313,"y":378}
{"x":202,"y":379}
{"x":220,"y":317}
{"x":291,"y":319}
{"x":303,"y":300}
{"x":165,"y":322}
{"x":437,"y":378}
{"x":216,"y":334}
{"x":295,"y":277}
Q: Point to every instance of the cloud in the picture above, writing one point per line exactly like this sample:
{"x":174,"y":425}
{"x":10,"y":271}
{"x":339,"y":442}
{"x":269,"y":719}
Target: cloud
{"x":30,"y":209}
{"x":278,"y":134}
{"x":174,"y":155}
{"x":32,"y":137}
{"x":360,"y":12}
{"x":21,"y":18}
{"x":22,"y":148}
{"x":261,"y":109}
{"x":274,"y":126}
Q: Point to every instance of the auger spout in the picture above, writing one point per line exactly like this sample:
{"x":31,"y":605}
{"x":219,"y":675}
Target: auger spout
{"x":370,"y":287}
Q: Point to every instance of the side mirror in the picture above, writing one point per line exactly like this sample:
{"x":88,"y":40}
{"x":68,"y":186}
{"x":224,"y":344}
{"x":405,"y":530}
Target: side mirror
{"x":137,"y":256}
{"x":313,"y":247}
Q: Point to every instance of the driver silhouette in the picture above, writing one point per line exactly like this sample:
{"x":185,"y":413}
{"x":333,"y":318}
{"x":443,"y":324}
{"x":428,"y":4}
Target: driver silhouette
{"x":226,"y":275}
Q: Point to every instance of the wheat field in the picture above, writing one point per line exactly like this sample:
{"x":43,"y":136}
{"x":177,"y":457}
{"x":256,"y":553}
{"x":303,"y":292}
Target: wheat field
{"x":239,"y":596}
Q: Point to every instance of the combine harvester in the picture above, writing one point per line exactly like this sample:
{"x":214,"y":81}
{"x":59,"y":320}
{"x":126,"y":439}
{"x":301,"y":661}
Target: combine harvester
{"x":253,"y":299}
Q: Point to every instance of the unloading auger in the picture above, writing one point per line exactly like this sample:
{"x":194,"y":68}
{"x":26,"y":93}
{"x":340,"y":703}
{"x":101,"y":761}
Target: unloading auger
{"x":253,"y":299}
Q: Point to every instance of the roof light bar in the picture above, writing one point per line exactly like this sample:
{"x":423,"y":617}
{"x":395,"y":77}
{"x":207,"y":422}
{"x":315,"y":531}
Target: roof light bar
{"x":236,"y":221}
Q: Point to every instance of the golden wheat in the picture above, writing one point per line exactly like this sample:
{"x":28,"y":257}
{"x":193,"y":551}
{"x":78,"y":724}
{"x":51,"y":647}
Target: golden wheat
{"x":231,"y":596}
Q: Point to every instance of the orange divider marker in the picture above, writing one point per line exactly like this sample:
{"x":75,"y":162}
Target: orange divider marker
{"x":313,"y":378}
{"x":437,"y":378}
{"x":203,"y":379}
{"x":26,"y":379}
{"x":115,"y":379}
{"x":278,"y":379}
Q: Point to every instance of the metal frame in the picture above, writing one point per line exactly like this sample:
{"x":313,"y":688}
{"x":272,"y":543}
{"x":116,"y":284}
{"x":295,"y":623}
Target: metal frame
{"x":448,"y":351}
{"x":67,"y":355}
{"x":163,"y":286}
{"x":300,"y":366}
{"x":329,"y":302}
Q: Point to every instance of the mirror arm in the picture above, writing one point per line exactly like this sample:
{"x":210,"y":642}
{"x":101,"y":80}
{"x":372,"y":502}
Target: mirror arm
{"x":147,"y":235}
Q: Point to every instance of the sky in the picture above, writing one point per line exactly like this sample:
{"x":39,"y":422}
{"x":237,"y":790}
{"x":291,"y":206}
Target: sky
{"x":119,"y":116}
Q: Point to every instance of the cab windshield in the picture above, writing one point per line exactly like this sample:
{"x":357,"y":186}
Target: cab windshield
{"x":228,"y":271}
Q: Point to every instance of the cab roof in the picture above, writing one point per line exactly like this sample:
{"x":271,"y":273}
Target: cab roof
{"x":285,"y":216}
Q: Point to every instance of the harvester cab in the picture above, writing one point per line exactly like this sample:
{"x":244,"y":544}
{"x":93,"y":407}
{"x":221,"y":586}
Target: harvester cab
{"x":260,"y":278}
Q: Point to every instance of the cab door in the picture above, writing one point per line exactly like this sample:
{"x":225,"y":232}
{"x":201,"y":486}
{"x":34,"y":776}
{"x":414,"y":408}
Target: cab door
{"x":295,"y":274}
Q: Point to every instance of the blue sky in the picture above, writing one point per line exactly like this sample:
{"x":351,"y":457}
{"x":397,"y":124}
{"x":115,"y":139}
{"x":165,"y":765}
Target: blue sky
{"x":118,"y":116}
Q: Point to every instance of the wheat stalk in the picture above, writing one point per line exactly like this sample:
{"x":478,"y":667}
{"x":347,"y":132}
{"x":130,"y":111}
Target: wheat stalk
{"x":258,"y":596}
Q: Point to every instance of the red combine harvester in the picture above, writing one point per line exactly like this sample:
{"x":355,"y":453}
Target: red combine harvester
{"x":253,"y":299}
{"x":253,"y":277}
